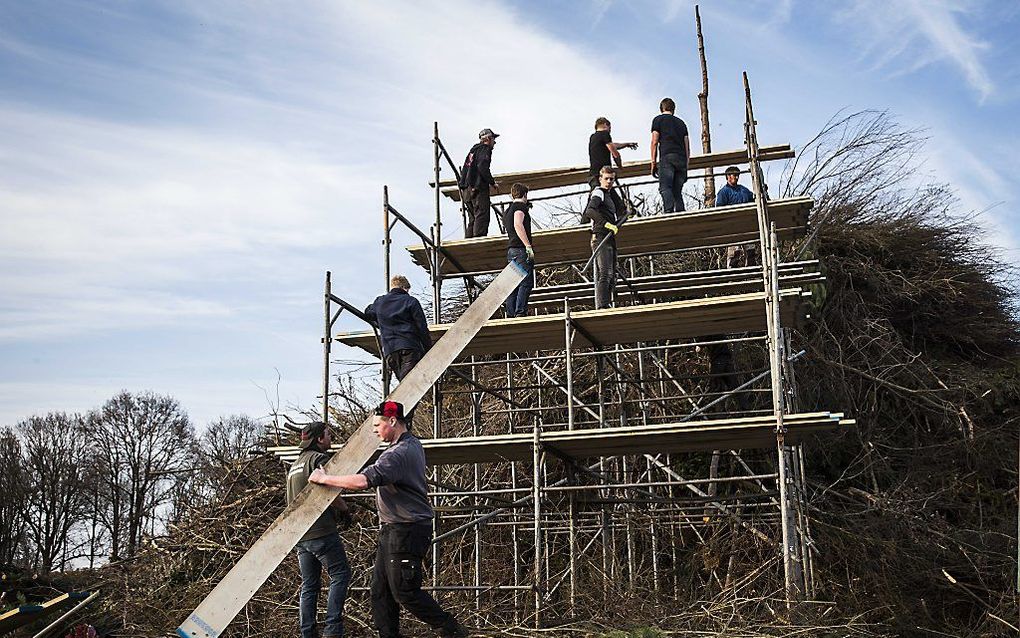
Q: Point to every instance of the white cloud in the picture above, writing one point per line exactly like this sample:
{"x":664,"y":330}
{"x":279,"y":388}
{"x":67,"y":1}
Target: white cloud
{"x":909,"y":35}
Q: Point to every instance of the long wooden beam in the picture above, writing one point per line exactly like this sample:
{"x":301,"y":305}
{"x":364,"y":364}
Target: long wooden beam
{"x":722,"y":226}
{"x":232,"y":593}
{"x":574,"y":175}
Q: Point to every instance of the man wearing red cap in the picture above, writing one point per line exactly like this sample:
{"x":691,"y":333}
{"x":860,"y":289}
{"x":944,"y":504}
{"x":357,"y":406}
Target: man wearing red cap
{"x":406,"y":532}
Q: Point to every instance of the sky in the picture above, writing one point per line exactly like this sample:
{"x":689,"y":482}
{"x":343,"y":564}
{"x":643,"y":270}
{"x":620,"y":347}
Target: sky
{"x":177,"y":177}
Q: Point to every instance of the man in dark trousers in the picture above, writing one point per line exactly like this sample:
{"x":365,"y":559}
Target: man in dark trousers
{"x":603,"y":151}
{"x":475,"y":181}
{"x":605,"y":209}
{"x":321,"y":546}
{"x":406,"y":532}
{"x":671,"y":148}
{"x":403,"y":330}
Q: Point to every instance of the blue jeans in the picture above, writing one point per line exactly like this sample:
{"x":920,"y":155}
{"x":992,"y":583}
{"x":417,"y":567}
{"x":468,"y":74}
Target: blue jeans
{"x":672,"y":175}
{"x":313,"y":555}
{"x":517,"y":302}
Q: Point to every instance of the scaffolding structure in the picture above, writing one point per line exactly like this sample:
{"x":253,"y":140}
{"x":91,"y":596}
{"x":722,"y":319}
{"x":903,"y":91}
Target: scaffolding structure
{"x":575,"y":452}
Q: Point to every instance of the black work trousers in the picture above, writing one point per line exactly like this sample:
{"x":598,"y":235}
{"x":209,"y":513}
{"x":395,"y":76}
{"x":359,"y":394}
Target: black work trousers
{"x":477,"y":204}
{"x":400,"y":363}
{"x":397,"y":579}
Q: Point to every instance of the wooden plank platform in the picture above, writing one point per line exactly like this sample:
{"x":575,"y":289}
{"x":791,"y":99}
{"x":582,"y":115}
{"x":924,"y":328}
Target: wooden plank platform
{"x":575,"y":175}
{"x":27,"y":614}
{"x":722,"y":226}
{"x":678,"y":285}
{"x":693,"y":436}
{"x":651,"y":322}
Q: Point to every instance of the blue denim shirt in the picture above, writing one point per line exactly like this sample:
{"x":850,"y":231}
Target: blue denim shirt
{"x":729,"y":195}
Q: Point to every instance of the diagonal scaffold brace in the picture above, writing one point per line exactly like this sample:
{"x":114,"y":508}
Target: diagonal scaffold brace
{"x":232,"y":593}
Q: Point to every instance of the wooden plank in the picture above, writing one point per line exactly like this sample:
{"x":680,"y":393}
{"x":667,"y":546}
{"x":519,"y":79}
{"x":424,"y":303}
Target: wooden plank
{"x":721,"y":226}
{"x":575,"y":175}
{"x":651,"y":322}
{"x":230,"y":595}
{"x":675,"y":286}
{"x":27,"y":614}
{"x":691,"y":436}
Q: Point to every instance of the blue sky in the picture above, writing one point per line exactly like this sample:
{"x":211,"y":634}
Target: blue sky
{"x":176,"y":177}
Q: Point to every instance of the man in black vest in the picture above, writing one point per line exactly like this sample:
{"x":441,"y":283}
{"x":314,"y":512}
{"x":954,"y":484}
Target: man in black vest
{"x":406,"y":532}
{"x":605,"y":209}
{"x":475,"y":181}
{"x":321,"y":546}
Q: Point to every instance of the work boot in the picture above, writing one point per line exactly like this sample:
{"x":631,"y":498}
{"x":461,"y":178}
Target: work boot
{"x":454,"y":629}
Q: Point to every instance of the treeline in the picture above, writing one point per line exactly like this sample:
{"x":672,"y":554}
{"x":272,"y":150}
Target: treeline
{"x":84,"y":489}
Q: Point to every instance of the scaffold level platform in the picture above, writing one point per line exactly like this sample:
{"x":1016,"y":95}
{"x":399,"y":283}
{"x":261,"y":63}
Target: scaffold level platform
{"x":685,"y":285}
{"x":576,"y":175}
{"x":710,"y":227}
{"x":609,"y":326}
{"x":693,"y":436}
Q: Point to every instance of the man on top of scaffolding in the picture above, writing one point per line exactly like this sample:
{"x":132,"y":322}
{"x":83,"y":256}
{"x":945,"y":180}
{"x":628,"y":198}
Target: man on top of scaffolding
{"x":602,"y":148}
{"x":475,"y":181}
{"x":671,"y":147}
{"x":405,"y":534}
{"x":517,"y":221}
{"x":606,"y":210}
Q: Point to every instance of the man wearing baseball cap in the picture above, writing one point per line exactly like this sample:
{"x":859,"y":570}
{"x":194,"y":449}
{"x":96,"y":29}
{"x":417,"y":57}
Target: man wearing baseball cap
{"x":732,"y":194}
{"x":321,"y":546}
{"x":475,"y":181}
{"x":406,"y":531}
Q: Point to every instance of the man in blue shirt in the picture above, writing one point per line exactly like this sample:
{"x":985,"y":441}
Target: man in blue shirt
{"x":732,"y":192}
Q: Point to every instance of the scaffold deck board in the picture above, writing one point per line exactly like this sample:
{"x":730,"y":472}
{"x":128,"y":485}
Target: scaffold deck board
{"x":652,"y":322}
{"x":27,"y":614}
{"x":722,"y":226}
{"x":574,"y":175}
{"x":693,"y":436}
{"x":679,"y":285}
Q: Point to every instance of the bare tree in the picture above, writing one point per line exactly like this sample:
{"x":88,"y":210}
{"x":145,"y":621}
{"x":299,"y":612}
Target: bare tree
{"x":146,"y":446}
{"x":14,"y":489}
{"x":229,"y":440}
{"x":54,"y":458}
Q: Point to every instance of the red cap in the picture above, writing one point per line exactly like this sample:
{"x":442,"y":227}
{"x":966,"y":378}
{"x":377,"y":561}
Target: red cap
{"x":390,"y":409}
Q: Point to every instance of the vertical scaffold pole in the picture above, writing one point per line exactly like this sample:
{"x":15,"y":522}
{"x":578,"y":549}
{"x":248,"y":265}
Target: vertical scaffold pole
{"x":386,"y":274}
{"x":327,"y":342}
{"x":769,"y":255}
{"x":568,"y":352}
{"x":437,"y":287}
{"x":537,"y":512}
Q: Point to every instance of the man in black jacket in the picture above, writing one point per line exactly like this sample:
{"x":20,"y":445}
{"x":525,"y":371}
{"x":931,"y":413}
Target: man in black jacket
{"x":475,"y":181}
{"x":605,"y":209}
{"x":402,"y":328}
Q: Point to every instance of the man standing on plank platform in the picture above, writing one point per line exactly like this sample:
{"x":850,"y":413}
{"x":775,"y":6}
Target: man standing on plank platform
{"x":605,"y":209}
{"x":406,"y":532}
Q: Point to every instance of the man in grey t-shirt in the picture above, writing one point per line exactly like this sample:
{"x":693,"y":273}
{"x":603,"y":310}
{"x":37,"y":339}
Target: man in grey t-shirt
{"x":406,"y":531}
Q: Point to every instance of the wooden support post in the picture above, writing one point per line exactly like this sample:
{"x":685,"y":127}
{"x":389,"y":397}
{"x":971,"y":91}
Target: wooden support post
{"x":706,"y":131}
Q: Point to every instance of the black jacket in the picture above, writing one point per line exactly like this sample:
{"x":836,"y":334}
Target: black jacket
{"x":601,"y":210}
{"x":476,"y":171}
{"x":401,"y":322}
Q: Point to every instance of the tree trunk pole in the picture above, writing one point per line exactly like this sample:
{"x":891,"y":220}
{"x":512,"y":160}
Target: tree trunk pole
{"x":706,"y":133}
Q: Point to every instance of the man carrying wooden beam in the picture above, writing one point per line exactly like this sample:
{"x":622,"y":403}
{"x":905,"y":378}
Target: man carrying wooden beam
{"x":406,"y":532}
{"x":475,"y":181}
{"x":321,"y":546}
{"x":517,"y":221}
{"x":671,"y":147}
{"x":605,"y":209}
